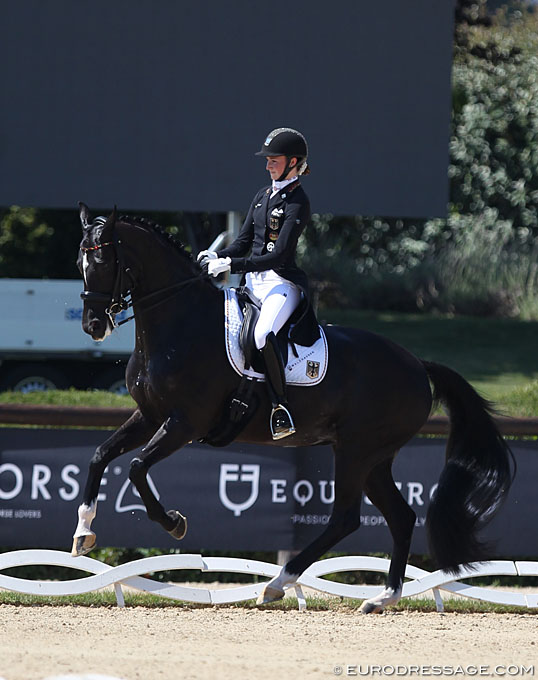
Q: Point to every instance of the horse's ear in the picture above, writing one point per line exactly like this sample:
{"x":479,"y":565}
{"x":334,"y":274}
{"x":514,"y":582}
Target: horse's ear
{"x":84,"y":212}
{"x":108,"y":226}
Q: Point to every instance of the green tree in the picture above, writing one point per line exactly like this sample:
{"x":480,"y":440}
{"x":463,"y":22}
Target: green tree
{"x":43,"y":243}
{"x":33,"y":245}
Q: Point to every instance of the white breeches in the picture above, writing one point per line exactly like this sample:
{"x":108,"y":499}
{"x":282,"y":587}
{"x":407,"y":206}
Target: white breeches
{"x":279,"y":300}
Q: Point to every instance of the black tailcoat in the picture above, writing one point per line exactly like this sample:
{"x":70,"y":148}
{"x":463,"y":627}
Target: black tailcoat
{"x":271,"y":229}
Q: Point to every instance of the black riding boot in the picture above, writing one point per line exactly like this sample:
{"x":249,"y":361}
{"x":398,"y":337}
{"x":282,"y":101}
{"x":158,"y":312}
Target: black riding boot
{"x":281,"y":421}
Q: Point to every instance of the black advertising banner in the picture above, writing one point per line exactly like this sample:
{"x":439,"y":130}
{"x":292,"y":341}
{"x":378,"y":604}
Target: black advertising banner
{"x":243,"y":497}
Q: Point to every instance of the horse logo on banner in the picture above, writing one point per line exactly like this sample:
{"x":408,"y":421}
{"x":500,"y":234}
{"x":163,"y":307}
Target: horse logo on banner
{"x":119,"y":506}
{"x":231,"y":472}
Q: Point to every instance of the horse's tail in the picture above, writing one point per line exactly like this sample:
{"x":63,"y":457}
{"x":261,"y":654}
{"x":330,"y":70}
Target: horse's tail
{"x":477,"y":475}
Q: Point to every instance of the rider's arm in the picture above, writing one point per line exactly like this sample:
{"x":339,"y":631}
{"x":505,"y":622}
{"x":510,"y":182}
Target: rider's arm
{"x":243,"y":243}
{"x":296,"y":218}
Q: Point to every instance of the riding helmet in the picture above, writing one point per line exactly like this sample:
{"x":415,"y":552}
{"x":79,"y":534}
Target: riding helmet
{"x":284,"y":142}
{"x":290,"y":143}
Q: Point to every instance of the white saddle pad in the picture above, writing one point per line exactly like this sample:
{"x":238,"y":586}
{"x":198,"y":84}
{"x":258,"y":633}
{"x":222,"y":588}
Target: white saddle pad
{"x":307,"y":369}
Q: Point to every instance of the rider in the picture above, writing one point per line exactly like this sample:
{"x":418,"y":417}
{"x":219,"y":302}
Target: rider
{"x":276,"y":218}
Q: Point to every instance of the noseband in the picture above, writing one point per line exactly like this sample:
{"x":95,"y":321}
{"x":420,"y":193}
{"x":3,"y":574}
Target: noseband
{"x":118,"y":301}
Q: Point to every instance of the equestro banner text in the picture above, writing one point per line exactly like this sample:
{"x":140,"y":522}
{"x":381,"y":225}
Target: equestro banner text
{"x":242,"y":497}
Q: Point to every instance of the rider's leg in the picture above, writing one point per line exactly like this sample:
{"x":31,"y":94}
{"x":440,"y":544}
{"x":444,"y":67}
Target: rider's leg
{"x":276,"y":309}
{"x":281,"y":422}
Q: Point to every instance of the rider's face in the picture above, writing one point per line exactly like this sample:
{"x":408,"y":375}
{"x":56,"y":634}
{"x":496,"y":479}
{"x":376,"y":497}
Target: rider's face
{"x":276,"y":164}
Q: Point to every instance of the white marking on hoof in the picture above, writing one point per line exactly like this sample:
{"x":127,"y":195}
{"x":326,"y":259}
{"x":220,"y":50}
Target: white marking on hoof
{"x":274,"y":589}
{"x":84,"y":538}
{"x":86,"y":515}
{"x":270,"y":594}
{"x":377,"y":604}
{"x":83,"y":544}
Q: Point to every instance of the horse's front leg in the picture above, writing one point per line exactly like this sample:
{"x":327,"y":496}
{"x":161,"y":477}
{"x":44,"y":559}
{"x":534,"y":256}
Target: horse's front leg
{"x":134,"y":432}
{"x":174,"y":433}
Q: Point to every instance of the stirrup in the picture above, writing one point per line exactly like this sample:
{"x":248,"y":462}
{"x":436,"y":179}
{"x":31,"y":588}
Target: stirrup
{"x":281,"y":422}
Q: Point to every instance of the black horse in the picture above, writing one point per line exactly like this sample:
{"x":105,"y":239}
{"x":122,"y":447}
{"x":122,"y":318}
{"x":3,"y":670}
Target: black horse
{"x":373,"y":399}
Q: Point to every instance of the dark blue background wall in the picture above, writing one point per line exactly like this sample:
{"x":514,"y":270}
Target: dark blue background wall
{"x":161,"y":105}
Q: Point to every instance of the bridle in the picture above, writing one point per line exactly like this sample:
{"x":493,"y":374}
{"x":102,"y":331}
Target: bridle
{"x":119,"y":300}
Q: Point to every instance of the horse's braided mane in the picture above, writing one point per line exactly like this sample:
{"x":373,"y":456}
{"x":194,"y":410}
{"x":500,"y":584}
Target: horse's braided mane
{"x":150,"y":225}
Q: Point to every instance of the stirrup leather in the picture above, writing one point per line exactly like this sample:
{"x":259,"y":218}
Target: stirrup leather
{"x":281,"y":422}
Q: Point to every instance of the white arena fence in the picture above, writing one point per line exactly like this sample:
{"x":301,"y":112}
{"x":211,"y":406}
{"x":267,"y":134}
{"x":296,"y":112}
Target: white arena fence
{"x":130,"y":575}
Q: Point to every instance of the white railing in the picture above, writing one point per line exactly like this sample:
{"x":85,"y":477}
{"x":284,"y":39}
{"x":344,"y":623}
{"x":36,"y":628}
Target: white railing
{"x":130,"y":575}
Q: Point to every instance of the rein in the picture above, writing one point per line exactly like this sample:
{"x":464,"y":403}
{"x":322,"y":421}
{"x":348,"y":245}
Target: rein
{"x":176,"y":287}
{"x":118,"y":301}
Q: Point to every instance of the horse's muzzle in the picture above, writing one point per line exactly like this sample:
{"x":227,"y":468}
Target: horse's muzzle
{"x":97,"y":328}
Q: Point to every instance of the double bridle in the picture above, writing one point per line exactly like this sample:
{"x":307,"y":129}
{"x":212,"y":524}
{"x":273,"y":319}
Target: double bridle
{"x":119,"y":299}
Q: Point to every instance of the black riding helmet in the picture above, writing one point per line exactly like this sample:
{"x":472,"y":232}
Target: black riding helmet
{"x":286,"y":142}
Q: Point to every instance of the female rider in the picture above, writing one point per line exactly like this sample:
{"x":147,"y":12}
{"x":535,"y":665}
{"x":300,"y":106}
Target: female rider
{"x":277,"y":216}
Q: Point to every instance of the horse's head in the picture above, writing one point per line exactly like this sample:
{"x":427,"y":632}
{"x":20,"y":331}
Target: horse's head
{"x":98,"y":262}
{"x":123,"y":255}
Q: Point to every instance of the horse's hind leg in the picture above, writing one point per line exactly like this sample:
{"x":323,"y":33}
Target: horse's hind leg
{"x":345,"y":518}
{"x":172,"y":435}
{"x":384,"y":494}
{"x":134,"y":432}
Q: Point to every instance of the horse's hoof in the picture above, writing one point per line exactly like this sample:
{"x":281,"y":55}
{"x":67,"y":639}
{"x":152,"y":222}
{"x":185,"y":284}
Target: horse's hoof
{"x":270,"y":594}
{"x":370,"y":608}
{"x":83,"y":544}
{"x":180,"y":529}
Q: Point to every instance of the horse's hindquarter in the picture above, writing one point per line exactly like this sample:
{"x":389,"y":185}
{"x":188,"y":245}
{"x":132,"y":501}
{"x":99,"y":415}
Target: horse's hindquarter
{"x":375,"y":393}
{"x":375,"y":384}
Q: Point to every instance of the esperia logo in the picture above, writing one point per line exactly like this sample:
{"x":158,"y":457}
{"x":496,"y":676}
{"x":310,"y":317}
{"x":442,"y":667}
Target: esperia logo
{"x":247,"y":473}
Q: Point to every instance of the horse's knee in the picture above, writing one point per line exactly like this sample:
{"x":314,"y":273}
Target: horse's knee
{"x":137,"y":470}
{"x":97,"y":460}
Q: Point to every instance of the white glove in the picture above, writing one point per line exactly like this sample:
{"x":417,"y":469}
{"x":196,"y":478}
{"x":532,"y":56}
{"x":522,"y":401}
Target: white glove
{"x":218,"y":266}
{"x":204,"y":256}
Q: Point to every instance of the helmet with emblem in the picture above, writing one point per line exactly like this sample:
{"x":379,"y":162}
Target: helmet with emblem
{"x":287,"y":142}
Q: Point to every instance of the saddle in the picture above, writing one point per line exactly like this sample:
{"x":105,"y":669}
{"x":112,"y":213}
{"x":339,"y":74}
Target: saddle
{"x":302,"y":328}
